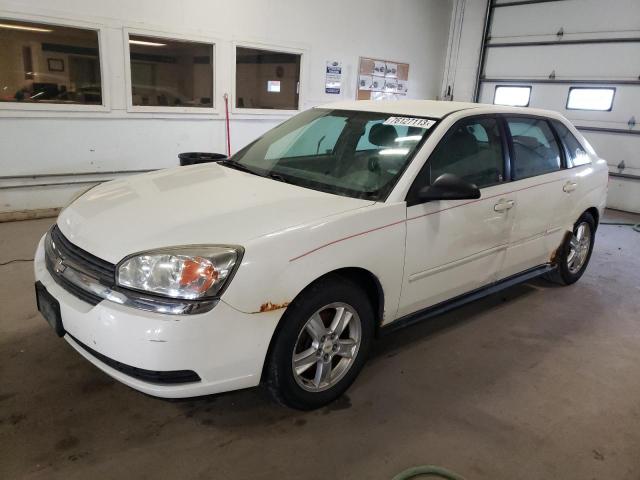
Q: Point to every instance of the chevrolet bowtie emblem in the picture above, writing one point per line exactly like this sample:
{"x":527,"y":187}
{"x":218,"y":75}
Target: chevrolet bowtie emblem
{"x":59,"y":266}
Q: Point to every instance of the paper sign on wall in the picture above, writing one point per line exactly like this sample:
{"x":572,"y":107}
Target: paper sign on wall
{"x":379,"y":68}
{"x":333,"y":77}
{"x":391,"y":70}
{"x":365,"y":81}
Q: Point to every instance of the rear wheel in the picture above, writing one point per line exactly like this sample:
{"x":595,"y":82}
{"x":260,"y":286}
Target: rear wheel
{"x":575,"y":252}
{"x":322,"y":345}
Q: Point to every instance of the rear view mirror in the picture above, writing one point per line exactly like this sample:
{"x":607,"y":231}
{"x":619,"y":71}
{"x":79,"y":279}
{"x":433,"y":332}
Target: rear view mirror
{"x":193,"y":158}
{"x":449,"y":187}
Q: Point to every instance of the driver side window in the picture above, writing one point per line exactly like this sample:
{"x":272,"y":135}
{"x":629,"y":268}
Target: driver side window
{"x":472,"y":150}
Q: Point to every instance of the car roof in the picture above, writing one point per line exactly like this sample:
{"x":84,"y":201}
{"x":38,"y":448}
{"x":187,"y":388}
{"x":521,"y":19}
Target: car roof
{"x":428,"y":108}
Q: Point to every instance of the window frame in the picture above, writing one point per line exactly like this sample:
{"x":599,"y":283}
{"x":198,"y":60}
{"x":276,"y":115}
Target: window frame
{"x":105,"y":83}
{"x":613,"y":98}
{"x":495,"y":92}
{"x":547,"y":120}
{"x":171,"y":36}
{"x":412,"y":193}
{"x":276,"y":48}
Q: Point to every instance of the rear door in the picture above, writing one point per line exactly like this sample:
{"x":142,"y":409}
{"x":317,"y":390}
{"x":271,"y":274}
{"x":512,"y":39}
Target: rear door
{"x":455,"y":246}
{"x":539,"y":180}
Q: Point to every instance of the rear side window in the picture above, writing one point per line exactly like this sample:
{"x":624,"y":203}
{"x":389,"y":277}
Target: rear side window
{"x":472,"y":150}
{"x":535,"y":149}
{"x":576,"y":154}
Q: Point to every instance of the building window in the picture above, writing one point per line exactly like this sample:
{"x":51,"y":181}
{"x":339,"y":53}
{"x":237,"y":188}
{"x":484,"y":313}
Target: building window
{"x":267,"y":79}
{"x":42,"y":63}
{"x":594,"y":98}
{"x":170,"y":73}
{"x":512,"y":95}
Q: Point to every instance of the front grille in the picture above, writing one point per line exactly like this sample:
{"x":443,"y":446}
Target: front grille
{"x":73,"y":289}
{"x":95,"y":267}
{"x":153,"y":376}
{"x":58,"y":247}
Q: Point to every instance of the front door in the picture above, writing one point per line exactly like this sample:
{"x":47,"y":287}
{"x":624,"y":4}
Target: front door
{"x":453,"y":247}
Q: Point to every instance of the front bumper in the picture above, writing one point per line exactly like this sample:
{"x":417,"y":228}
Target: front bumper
{"x":226,"y":348}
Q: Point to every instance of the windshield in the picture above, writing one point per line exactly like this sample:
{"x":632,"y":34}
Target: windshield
{"x":351,"y":153}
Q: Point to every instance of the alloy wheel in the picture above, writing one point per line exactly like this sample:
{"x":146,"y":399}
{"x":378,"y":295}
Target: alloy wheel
{"x":326,"y":347}
{"x":579,"y":246}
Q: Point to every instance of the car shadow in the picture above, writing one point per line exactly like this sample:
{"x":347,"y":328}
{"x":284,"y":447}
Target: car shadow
{"x":391,"y":343}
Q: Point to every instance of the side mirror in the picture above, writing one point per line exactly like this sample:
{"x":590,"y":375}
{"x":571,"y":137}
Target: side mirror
{"x":193,"y":158}
{"x":449,"y":187}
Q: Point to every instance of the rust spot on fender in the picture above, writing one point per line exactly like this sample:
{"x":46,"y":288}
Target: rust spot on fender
{"x":269,"y":307}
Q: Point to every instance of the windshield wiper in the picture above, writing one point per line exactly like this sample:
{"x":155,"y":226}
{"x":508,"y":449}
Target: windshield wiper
{"x":278,"y":177}
{"x":239,"y":166}
{"x":244,"y":168}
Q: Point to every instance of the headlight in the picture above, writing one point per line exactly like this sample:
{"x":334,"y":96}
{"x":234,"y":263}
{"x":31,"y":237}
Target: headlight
{"x":180,"y":272}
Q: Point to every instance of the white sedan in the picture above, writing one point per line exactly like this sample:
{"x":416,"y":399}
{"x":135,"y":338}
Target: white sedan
{"x":282,"y":264}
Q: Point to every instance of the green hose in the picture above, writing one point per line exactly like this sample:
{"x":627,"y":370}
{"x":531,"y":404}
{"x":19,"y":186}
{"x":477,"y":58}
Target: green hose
{"x":635,"y":226}
{"x":427,"y":471}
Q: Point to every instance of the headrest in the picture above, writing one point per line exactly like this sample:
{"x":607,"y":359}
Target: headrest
{"x":462,"y":143}
{"x":527,"y":141}
{"x":382,"y":135}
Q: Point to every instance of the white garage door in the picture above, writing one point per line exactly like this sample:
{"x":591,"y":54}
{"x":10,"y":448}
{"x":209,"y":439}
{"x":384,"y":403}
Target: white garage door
{"x":590,"y":48}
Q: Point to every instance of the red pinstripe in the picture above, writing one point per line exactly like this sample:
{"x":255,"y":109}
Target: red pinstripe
{"x":419,"y":216}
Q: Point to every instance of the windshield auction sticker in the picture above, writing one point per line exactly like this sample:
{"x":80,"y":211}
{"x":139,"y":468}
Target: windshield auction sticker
{"x":410,"y":122}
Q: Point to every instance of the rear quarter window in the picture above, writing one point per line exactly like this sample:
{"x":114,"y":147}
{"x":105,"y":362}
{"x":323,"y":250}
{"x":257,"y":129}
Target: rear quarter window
{"x":576,"y":154}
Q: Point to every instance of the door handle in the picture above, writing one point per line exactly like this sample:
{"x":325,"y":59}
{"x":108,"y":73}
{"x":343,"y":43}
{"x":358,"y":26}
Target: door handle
{"x":504,"y":205}
{"x":569,"y":187}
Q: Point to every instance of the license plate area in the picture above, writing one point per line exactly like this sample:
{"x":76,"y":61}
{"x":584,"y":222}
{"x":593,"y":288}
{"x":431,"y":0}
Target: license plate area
{"x":49,"y":307}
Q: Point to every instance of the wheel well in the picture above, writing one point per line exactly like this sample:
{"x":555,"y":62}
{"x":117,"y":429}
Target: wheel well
{"x":594,"y":213}
{"x":361,"y":277}
{"x":369,"y":283}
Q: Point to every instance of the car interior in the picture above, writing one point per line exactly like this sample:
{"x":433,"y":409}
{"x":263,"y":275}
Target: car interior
{"x":473,"y":152}
{"x":365,"y":157}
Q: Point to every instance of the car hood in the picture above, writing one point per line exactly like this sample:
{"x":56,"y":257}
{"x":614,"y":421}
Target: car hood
{"x":201,"y":204}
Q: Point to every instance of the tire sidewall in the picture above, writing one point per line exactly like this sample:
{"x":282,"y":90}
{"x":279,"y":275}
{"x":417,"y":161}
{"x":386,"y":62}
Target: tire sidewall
{"x":281,"y":379}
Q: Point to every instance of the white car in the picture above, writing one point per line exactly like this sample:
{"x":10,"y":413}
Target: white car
{"x":281,"y":264}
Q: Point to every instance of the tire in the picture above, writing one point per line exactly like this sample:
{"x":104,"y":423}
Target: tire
{"x":569,"y":267}
{"x":329,"y":360}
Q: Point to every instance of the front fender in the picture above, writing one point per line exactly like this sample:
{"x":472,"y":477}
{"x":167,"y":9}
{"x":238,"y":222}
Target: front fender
{"x":278,"y":266}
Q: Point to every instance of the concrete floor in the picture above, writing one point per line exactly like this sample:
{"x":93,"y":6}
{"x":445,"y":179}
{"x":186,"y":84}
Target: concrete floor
{"x":538,"y":382}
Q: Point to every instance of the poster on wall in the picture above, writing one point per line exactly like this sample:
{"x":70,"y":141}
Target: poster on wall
{"x":333,"y":77}
{"x":382,"y":79}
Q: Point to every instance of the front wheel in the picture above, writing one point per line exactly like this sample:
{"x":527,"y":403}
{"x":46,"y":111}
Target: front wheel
{"x":322,"y":344}
{"x":575,"y":252}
